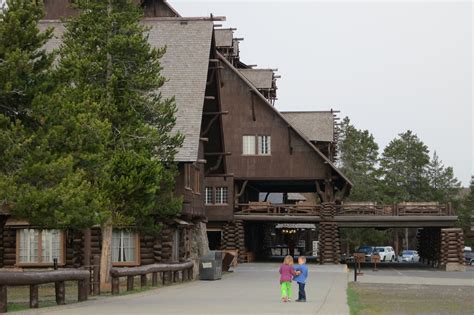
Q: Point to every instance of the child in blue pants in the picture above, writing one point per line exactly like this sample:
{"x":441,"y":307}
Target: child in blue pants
{"x":301,"y":271}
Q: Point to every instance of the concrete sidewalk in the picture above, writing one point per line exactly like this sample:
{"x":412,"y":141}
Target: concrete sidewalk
{"x":251,"y":289}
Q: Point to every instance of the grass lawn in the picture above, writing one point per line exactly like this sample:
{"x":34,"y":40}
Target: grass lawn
{"x":367,"y":298}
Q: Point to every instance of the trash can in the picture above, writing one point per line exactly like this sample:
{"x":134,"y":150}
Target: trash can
{"x":210,"y":266}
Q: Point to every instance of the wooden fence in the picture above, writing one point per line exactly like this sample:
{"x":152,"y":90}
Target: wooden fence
{"x":34,"y":279}
{"x":170,"y":271}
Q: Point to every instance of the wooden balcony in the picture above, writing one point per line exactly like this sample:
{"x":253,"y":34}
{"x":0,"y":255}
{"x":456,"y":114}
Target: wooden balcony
{"x":347,"y":209}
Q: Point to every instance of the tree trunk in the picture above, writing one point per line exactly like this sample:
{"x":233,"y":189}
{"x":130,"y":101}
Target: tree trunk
{"x":106,"y":255}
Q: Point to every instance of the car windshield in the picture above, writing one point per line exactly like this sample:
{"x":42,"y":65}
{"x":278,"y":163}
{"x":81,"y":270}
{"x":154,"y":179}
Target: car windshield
{"x":365,"y":250}
{"x":407,"y":252}
{"x":380,"y":250}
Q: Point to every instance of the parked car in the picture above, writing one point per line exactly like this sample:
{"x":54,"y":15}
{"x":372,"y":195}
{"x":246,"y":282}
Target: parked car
{"x":345,"y":259}
{"x":467,"y":248}
{"x":409,"y":256}
{"x":367,"y":250}
{"x":469,"y":257}
{"x":386,"y":253}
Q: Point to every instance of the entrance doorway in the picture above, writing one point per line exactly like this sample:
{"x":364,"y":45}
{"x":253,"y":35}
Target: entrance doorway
{"x":215,"y":239}
{"x":274,"y":240}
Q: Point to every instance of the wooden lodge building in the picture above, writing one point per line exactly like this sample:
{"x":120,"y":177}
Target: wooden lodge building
{"x":239,"y":153}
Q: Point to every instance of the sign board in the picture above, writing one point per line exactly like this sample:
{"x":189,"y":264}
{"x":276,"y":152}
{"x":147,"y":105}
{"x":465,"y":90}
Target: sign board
{"x":295,"y":226}
{"x":375,"y":258}
{"x":359,"y":257}
{"x":206,"y":265}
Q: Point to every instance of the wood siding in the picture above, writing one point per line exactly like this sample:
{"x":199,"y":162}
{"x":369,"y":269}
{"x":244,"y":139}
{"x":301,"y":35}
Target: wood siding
{"x":217,"y":212}
{"x":237,"y":98}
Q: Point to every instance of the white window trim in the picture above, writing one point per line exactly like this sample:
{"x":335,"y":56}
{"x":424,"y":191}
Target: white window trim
{"x":267,"y":142}
{"x":219,"y":198}
{"x":248,"y":145}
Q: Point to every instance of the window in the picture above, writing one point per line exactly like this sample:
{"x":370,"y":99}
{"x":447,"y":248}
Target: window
{"x":197,"y":178}
{"x":124,"y":247}
{"x":221,"y":195}
{"x":264,"y":145}
{"x":248,"y":143}
{"x":187,"y":176}
{"x":208,"y":199}
{"x":39,"y":246}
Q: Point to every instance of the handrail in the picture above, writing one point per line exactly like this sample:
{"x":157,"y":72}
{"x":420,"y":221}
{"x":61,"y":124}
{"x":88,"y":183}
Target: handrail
{"x":34,"y":279}
{"x":172,"y":269}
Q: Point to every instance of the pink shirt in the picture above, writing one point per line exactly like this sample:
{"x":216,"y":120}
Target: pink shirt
{"x":286,"y":273}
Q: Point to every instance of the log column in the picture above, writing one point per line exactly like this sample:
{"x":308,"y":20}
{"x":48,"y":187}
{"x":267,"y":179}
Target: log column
{"x":234,"y":236}
{"x":329,"y":241}
{"x":452,"y":249}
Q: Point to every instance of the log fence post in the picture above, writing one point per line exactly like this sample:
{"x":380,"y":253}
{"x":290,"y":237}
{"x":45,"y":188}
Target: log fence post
{"x":3,"y":299}
{"x":154,"y":279}
{"x":96,"y":274}
{"x":115,"y":285}
{"x":82,"y":288}
{"x":143,"y":281}
{"x":60,"y":291}
{"x":34,"y":296}
{"x":130,"y":283}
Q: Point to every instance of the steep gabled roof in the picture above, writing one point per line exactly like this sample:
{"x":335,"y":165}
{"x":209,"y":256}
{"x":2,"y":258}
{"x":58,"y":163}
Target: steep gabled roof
{"x":185,"y":66}
{"x":299,"y":133}
{"x":315,"y":125}
{"x":260,"y":78}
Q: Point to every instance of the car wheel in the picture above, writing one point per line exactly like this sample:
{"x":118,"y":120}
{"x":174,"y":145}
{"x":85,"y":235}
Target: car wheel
{"x":391,"y":259}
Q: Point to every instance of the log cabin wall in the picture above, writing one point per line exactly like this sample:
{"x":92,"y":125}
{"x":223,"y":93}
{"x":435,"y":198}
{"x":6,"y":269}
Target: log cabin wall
{"x":9,"y":247}
{"x":291,"y":157}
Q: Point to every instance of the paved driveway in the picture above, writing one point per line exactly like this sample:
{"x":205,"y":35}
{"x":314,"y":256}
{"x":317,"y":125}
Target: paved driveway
{"x":251,"y":289}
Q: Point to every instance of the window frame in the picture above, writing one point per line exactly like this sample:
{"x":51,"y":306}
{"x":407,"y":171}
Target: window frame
{"x":217,"y":199}
{"x":40,"y":263}
{"x":187,"y":176}
{"x":137,"y":260}
{"x":260,"y":142}
{"x":244,"y":146}
{"x":197,"y":181}
{"x":211,"y":202}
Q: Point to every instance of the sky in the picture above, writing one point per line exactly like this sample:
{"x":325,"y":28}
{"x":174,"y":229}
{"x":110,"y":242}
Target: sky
{"x":388,"y":66}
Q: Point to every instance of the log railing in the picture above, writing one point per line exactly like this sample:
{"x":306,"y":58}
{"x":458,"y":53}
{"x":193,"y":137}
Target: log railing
{"x":278,"y":209}
{"x":348,"y":209}
{"x":34,"y":279}
{"x":168,"y":271}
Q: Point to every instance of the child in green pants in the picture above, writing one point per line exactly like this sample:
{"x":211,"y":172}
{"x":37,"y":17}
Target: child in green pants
{"x":286,"y":275}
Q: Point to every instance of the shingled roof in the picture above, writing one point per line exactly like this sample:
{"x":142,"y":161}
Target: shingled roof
{"x":185,"y":66}
{"x":260,"y":78}
{"x":315,"y":125}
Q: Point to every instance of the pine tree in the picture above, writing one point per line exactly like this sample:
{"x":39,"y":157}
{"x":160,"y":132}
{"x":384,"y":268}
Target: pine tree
{"x":403,"y":166}
{"x":443,"y":185}
{"x":108,"y":66}
{"x":466,"y":211}
{"x":24,"y":64}
{"x":24,"y":75}
{"x":358,"y":153}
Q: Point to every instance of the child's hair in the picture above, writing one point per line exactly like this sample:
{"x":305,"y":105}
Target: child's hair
{"x":288,"y":260}
{"x":303,"y":259}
